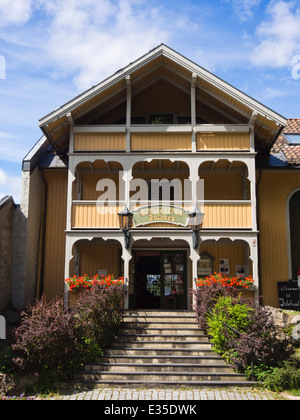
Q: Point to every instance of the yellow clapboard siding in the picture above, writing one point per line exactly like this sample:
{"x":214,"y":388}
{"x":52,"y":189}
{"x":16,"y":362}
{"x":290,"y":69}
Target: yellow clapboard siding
{"x":54,"y":263}
{"x":91,"y":216}
{"x":99,"y":141}
{"x":274,"y":190}
{"x":161,"y":141}
{"x":223,"y":141}
{"x":227,"y":216}
{"x":216,"y":216}
{"x":236,"y":254}
{"x":99,"y":256}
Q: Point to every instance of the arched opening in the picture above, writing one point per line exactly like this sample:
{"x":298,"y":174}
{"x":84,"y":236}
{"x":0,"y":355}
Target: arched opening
{"x":98,"y":195}
{"x":225,"y":180}
{"x":162,"y":183}
{"x":227,"y":193}
{"x":97,"y":257}
{"x":231,"y":258}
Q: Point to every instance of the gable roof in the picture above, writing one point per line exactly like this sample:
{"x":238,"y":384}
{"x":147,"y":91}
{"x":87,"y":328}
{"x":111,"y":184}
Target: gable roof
{"x":239,"y":106}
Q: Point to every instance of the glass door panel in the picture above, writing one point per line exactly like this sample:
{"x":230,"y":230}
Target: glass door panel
{"x":174,"y":283}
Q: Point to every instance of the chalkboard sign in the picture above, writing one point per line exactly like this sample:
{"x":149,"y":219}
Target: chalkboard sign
{"x":289,"y":295}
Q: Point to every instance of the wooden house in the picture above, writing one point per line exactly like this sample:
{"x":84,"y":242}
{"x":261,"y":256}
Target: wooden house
{"x":171,"y":144}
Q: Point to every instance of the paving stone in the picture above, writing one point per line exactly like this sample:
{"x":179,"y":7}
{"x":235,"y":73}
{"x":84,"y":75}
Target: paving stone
{"x":169,"y":394}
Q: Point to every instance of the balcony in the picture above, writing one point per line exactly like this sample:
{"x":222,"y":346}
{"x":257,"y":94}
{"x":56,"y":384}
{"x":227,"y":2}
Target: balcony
{"x":218,"y":215}
{"x":161,"y":137}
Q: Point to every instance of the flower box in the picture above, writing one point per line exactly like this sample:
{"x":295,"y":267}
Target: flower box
{"x":78,"y":284}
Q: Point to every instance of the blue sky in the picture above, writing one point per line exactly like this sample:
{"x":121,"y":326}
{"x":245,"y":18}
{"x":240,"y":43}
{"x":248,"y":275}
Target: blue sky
{"x":52,"y":50}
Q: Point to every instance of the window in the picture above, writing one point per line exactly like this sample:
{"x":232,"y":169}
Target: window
{"x":293,"y":139}
{"x":161,"y":119}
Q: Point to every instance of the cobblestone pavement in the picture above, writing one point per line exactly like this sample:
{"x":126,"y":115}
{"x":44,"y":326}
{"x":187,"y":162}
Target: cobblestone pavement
{"x":117,"y":394}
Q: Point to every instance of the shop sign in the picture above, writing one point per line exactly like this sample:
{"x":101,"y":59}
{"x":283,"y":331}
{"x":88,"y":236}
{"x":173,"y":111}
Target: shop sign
{"x":160,"y":214}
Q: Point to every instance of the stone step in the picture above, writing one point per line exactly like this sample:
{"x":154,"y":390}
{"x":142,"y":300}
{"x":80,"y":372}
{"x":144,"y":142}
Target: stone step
{"x":125,"y":351}
{"x":162,"y":313}
{"x":163,"y":360}
{"x":161,"y":325}
{"x":159,"y":376}
{"x":160,"y":331}
{"x":157,"y":319}
{"x":156,"y":368}
{"x":90,"y":384}
{"x":159,"y":338}
{"x":159,"y":348}
{"x":171,"y":345}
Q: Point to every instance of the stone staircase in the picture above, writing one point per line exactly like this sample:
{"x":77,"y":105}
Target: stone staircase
{"x":159,"y":349}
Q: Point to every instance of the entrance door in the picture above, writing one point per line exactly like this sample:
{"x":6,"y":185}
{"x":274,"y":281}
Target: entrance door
{"x":160,"y":280}
{"x":174,"y":280}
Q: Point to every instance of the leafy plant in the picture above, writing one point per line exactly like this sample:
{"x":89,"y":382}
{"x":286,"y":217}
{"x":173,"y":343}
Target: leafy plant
{"x":44,"y":338}
{"x":212,"y":287}
{"x":227,"y":321}
{"x":284,"y":377}
{"x":52,"y":342}
{"x":259,"y":343}
{"x":244,"y":333}
{"x":97,"y":314}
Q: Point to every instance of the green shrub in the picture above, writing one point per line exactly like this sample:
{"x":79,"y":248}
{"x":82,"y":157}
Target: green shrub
{"x":246,"y":336}
{"x":226,"y":321}
{"x":285,"y":377}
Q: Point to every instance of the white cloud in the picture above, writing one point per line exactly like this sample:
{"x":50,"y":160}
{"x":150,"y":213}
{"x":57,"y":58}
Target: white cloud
{"x":14,"y":12}
{"x":271,"y":93}
{"x":91,"y":42}
{"x":88,"y":40}
{"x":10,"y":185}
{"x":278,"y":36}
{"x":11,"y":150}
{"x":244,"y":9}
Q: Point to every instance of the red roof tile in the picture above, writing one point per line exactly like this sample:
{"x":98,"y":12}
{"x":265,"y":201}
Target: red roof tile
{"x":289,"y":151}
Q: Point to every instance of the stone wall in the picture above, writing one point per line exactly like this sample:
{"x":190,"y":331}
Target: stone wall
{"x":283,"y":318}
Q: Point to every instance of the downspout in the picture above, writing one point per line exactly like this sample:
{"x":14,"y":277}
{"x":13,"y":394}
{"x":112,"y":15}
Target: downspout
{"x":258,"y":235}
{"x":42,"y":239}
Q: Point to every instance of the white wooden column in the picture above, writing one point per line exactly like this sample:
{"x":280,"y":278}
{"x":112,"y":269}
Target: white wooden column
{"x":68,"y":257}
{"x":194,"y":178}
{"x":193,"y":112}
{"x":252,"y":179}
{"x":195,"y":257}
{"x":71,"y":173}
{"x":126,"y":256}
{"x":254,"y":258}
{"x":128,"y":114}
{"x":127,"y":177}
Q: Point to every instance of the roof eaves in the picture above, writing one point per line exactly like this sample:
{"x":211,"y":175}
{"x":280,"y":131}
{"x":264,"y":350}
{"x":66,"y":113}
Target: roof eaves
{"x":166,"y":51}
{"x":5,"y":200}
{"x":98,"y":88}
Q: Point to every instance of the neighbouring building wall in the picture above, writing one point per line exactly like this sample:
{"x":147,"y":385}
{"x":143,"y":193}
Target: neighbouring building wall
{"x":274,"y":190}
{"x":7,"y":208}
{"x":27,"y":228}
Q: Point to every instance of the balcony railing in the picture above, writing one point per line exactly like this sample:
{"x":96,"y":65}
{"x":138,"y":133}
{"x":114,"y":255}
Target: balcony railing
{"x":160,"y":137}
{"x":218,"y":214}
